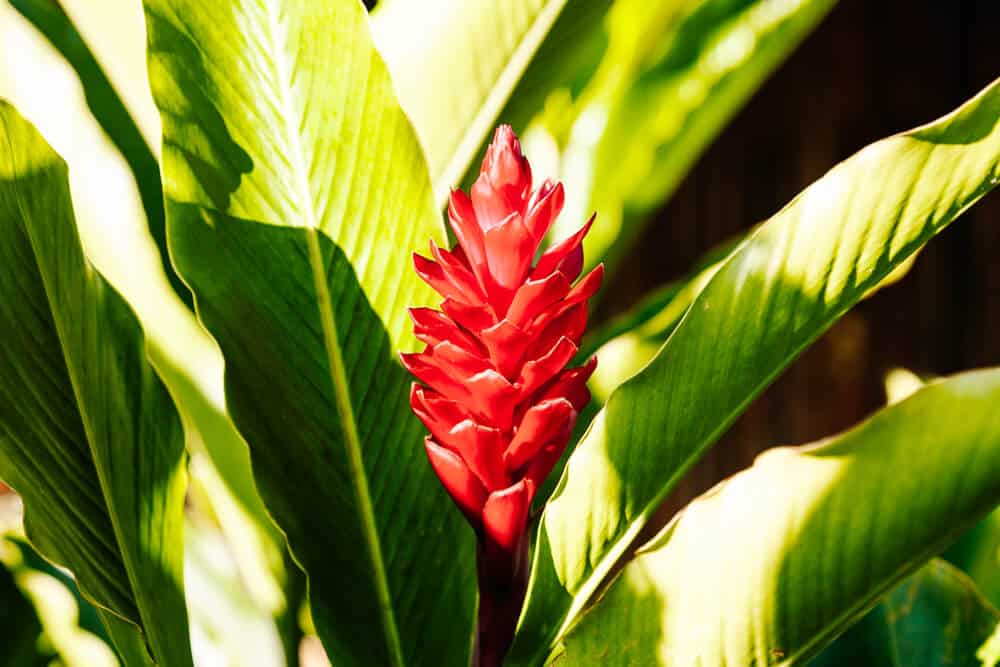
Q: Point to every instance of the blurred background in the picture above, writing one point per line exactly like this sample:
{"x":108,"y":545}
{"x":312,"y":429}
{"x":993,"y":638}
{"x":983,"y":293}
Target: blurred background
{"x":868,"y":70}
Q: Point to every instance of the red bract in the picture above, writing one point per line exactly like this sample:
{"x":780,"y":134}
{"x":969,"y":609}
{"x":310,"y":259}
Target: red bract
{"x":497,"y":397}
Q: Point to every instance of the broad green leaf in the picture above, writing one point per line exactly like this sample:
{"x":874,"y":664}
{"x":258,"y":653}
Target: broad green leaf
{"x":935,"y":618}
{"x":770,"y":299}
{"x":110,"y":112}
{"x":296,"y":190}
{"x":675,"y":73}
{"x":456,"y":65}
{"x":777,"y":561}
{"x":191,"y":366}
{"x":654,"y":316}
{"x":88,"y":434}
{"x":115,"y":235}
{"x":655,"y":319}
{"x":629,"y":341}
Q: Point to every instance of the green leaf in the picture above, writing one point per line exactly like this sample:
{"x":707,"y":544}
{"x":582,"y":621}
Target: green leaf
{"x":775,"y":294}
{"x":51,"y":20}
{"x":675,"y":73}
{"x":629,"y":341}
{"x":658,"y":312}
{"x":296,"y":190}
{"x":114,"y":233}
{"x":935,"y":618}
{"x":978,"y":553}
{"x":655,"y":319}
{"x":456,"y":64}
{"x":88,"y":434}
{"x":777,"y":561}
{"x":191,"y":366}
{"x":626,"y":343}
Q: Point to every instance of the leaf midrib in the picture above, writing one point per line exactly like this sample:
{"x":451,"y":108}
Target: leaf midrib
{"x":335,"y":359}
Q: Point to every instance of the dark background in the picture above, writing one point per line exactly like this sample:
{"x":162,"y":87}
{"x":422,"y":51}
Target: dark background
{"x":871,"y":69}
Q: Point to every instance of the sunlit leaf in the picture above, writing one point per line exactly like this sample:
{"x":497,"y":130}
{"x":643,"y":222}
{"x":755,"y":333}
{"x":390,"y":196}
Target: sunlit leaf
{"x":655,"y":319}
{"x":654,"y":316}
{"x":775,"y":562}
{"x":457,"y":65}
{"x":110,"y":112}
{"x":114,"y":232}
{"x":773,"y":296}
{"x":296,"y":190}
{"x":629,"y":341}
{"x":675,"y":73}
{"x":88,"y":434}
{"x":900,"y":383}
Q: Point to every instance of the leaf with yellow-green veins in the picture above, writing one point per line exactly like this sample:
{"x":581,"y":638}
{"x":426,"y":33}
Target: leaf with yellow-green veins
{"x":89,"y":436}
{"x":777,"y":561}
{"x":296,"y":191}
{"x":774,"y":295}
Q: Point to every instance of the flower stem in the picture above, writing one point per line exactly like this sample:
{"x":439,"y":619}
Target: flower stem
{"x":503,"y":581}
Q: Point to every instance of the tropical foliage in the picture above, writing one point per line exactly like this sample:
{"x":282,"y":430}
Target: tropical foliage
{"x":205,"y":410}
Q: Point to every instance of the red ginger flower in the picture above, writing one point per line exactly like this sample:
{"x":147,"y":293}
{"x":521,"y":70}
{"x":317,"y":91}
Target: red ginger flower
{"x":496,"y":396}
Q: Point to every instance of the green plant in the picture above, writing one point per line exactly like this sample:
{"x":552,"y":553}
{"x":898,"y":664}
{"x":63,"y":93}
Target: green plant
{"x":295,"y":187}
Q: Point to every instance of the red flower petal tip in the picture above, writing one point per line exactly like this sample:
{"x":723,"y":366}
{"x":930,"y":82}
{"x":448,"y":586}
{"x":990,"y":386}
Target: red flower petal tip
{"x":497,"y":397}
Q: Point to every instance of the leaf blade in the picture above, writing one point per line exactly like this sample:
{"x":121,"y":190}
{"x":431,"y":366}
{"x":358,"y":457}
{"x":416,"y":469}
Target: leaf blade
{"x":775,"y":294}
{"x":718,"y":55}
{"x":90,"y":436}
{"x":787,"y":562}
{"x":294,"y":179}
{"x":454,"y":103}
{"x":345,"y":410}
{"x":111,"y":114}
